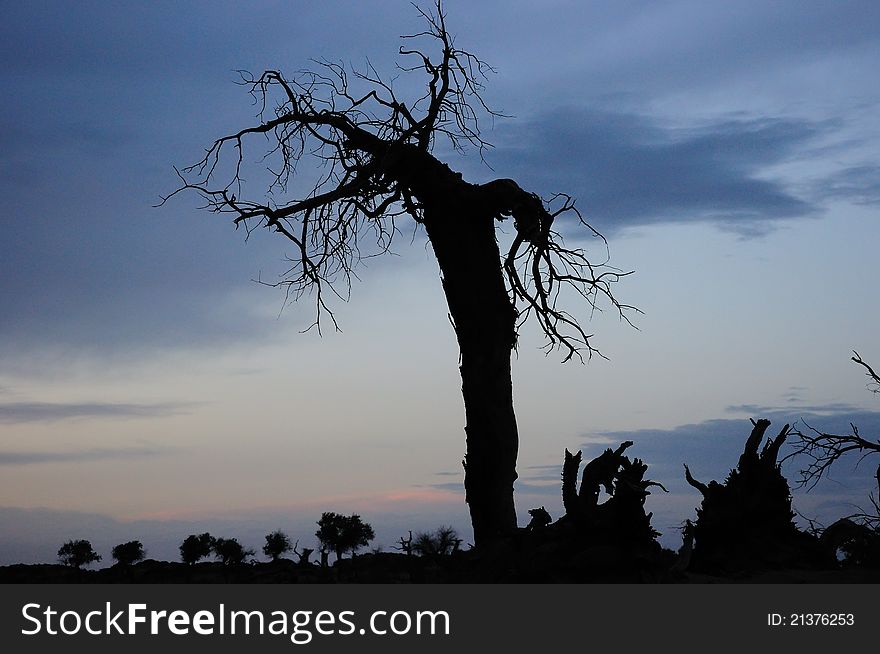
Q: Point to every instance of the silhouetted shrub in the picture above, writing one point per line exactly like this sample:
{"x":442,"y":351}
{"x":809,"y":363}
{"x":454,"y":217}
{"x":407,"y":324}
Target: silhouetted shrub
{"x":229,"y":551}
{"x":343,"y":533}
{"x":196,"y":547}
{"x":128,"y":553}
{"x":277,"y":543}
{"x":441,"y":542}
{"x":77,"y":553}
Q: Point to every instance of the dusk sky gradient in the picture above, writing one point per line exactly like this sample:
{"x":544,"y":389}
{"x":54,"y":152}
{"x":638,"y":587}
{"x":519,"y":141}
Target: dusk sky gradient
{"x":150,"y":389}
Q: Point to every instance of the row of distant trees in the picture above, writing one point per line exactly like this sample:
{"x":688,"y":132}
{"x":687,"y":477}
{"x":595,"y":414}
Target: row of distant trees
{"x":336,"y":533}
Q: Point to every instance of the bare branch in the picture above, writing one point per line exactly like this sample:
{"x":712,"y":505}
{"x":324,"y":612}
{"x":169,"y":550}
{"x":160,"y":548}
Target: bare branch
{"x":540,"y":269}
{"x":874,"y":384}
{"x":822,"y":449}
{"x":371,"y":151}
{"x":352,"y":126}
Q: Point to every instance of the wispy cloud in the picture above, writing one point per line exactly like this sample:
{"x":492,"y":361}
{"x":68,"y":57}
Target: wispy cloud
{"x":628,"y":169}
{"x":527,"y":484}
{"x":527,"y":488}
{"x":795,"y":406}
{"x":858,"y":184}
{"x":444,"y":486}
{"x":77,"y":456}
{"x":20,"y":412}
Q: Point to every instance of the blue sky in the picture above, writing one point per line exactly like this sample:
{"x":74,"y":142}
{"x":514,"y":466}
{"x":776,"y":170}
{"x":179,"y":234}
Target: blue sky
{"x":729,"y":152}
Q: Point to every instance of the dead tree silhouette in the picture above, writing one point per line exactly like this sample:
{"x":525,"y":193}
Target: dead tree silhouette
{"x":747,"y":522}
{"x":405,"y":544}
{"x":621,"y":519}
{"x":595,"y":540}
{"x":374,"y":150}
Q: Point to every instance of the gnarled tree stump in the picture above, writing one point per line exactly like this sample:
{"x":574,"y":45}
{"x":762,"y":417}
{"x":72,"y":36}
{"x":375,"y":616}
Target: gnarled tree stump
{"x":747,"y":522}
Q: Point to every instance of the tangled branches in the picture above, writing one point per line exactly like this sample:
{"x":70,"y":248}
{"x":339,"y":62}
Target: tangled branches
{"x":372,"y":149}
{"x":539,"y":268}
{"x":823,"y":449}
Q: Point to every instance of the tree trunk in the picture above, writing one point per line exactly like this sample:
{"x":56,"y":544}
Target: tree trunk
{"x":463,"y":239}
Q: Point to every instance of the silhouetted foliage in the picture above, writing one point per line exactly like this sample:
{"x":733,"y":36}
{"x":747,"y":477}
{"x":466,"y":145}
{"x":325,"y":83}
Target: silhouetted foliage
{"x":857,"y":543}
{"x":128,"y":553}
{"x":343,"y":533}
{"x":857,"y":536}
{"x":747,"y":522}
{"x":443,"y":541}
{"x":871,"y":517}
{"x":196,"y":547}
{"x":229,"y":551}
{"x":374,"y":153}
{"x":77,"y":553}
{"x":686,"y":551}
{"x":277,"y":543}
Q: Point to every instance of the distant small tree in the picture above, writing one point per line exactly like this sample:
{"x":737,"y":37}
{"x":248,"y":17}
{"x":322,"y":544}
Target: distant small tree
{"x":77,"y":553}
{"x":405,"y":544}
{"x":441,"y":542}
{"x":196,"y":547}
{"x":277,"y":543}
{"x":343,"y":533}
{"x":230,"y":552}
{"x":127,"y":553}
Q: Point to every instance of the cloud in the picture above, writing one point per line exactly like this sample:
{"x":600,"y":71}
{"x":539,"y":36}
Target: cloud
{"x":628,"y":169}
{"x":79,"y":456}
{"x":527,"y":488}
{"x":795,"y":407}
{"x":19,"y":412}
{"x":858,"y":184}
{"x":453,"y":486}
{"x":87,"y":264}
{"x":543,"y":473}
